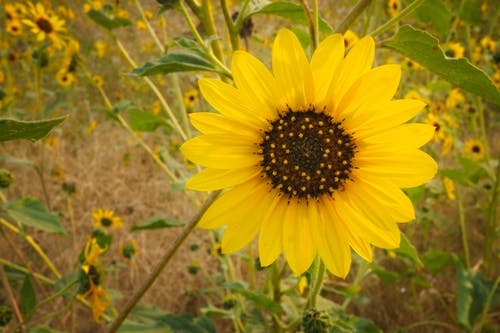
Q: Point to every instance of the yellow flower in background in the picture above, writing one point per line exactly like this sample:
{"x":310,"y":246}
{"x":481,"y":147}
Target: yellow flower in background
{"x":100,"y":47}
{"x":92,"y":251}
{"x":455,"y":50}
{"x":413,"y":94}
{"x":312,"y":156}
{"x":148,"y":15}
{"x":216,"y":250}
{"x":95,"y":5}
{"x":302,"y":285}
{"x":350,"y":38}
{"x":65,"y":78}
{"x":474,"y":149}
{"x":44,"y":25}
{"x":97,"y":81}
{"x":91,"y":128}
{"x":14,"y":27}
{"x":448,"y":141}
{"x":156,"y":107}
{"x":15,"y":11}
{"x":106,"y":218}
{"x":129,"y":249}
{"x":454,"y":98}
{"x":433,"y":119}
{"x":123,"y":13}
{"x":190,"y":98}
{"x":66,"y":12}
{"x":449,"y":187}
{"x":393,"y":6}
{"x":140,"y":25}
{"x":52,"y":142}
{"x":2,"y":76}
{"x":410,"y":64}
{"x":496,"y":79}
{"x":488,"y":43}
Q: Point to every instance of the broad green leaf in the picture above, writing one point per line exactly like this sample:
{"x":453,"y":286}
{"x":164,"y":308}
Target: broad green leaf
{"x":157,"y":223}
{"x":435,"y":13}
{"x":423,"y":48}
{"x":175,"y":62}
{"x":28,"y":296}
{"x":144,"y":121}
{"x":259,"y":299}
{"x":468,"y":173}
{"x":470,"y":11}
{"x":436,"y":260}
{"x":415,"y":193}
{"x":408,"y":250}
{"x":106,"y":21}
{"x":291,"y":11}
{"x":168,"y":323}
{"x":32,"y":212}
{"x":11,"y":129}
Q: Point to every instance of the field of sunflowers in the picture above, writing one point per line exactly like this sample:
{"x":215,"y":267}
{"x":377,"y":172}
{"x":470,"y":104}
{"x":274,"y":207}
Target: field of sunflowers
{"x":249,"y":166}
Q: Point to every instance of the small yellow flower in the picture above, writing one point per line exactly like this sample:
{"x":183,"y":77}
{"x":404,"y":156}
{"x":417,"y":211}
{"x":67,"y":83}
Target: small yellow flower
{"x":455,"y":50}
{"x":140,"y":25}
{"x":474,"y":149}
{"x":156,"y":107}
{"x":190,"y":98}
{"x":433,"y":119}
{"x":100,"y":47}
{"x":412,"y":65}
{"x":92,"y":251}
{"x":15,"y":11}
{"x":393,"y":6}
{"x":106,"y":218}
{"x":129,"y":249}
{"x":350,"y":38}
{"x":91,"y":128}
{"x":455,"y":97}
{"x":2,"y":76}
{"x":488,"y":43}
{"x":57,"y":173}
{"x":52,"y":142}
{"x":449,"y":187}
{"x":14,"y":27}
{"x":98,"y":298}
{"x":95,"y":5}
{"x":496,"y":79}
{"x":216,"y":250}
{"x":302,"y":284}
{"x":391,"y":254}
{"x":148,"y":15}
{"x":66,"y":12}
{"x":44,"y":24}
{"x":447,"y":145}
{"x":477,"y":54}
{"x":413,"y":94}
{"x":97,"y":81}
{"x":65,"y":78}
{"x":123,"y":14}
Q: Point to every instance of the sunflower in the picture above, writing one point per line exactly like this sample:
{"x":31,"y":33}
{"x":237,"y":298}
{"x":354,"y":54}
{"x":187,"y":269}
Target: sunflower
{"x":190,"y":98}
{"x":14,"y":27}
{"x":474,"y":149}
{"x":350,"y":38}
{"x":106,"y":218}
{"x":313,"y":155}
{"x":455,"y":50}
{"x":45,"y":25}
{"x":393,"y":6}
{"x":129,"y":249}
{"x":65,"y":78}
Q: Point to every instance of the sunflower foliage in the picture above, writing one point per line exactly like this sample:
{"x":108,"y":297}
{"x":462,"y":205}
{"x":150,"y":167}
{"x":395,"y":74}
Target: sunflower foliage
{"x":341,"y":161}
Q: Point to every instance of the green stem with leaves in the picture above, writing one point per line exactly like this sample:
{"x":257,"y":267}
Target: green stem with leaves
{"x":353,"y":15}
{"x":316,"y":283}
{"x":402,"y":14}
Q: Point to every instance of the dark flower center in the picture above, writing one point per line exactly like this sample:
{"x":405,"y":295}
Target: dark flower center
{"x":44,"y":25}
{"x":307,"y":154}
{"x":476,"y":149}
{"x":106,"y":222}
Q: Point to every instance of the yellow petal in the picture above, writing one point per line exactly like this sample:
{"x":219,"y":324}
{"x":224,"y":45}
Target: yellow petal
{"x":386,"y":115}
{"x":255,"y":80}
{"x":298,"y":246}
{"x":332,"y":244}
{"x":405,"y":169}
{"x":413,"y":135}
{"x":216,"y":179}
{"x":214,"y":123}
{"x":227,"y":156}
{"x":227,"y":100}
{"x":244,"y":222}
{"x":271,"y":232}
{"x":372,"y":88}
{"x":292,"y":71}
{"x":243,"y":196}
{"x":324,"y":64}
{"x":357,"y":62}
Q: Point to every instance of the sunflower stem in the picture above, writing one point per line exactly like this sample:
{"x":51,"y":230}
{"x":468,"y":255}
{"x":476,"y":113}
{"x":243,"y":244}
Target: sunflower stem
{"x":163,"y":263}
{"x":316,"y":282}
{"x":402,"y":14}
{"x":491,"y":226}
{"x":352,"y":16}
{"x":310,"y":18}
{"x":12,"y":299}
{"x":463,"y":229}
{"x":149,"y":27}
{"x":231,"y":27}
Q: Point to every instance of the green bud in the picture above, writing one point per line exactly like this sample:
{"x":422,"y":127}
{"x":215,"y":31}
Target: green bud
{"x":314,"y":321}
{"x":229,"y":302}
{"x":6,"y":178}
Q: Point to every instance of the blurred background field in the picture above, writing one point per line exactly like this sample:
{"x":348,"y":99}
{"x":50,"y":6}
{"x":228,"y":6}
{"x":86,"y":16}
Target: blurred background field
{"x":91,"y":161}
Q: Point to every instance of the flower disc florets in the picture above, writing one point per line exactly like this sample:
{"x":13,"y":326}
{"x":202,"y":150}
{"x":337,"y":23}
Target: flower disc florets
{"x":306,"y":154}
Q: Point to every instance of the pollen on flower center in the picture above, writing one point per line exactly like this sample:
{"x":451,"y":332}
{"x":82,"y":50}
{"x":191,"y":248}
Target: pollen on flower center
{"x":44,"y":25}
{"x":306,"y":154}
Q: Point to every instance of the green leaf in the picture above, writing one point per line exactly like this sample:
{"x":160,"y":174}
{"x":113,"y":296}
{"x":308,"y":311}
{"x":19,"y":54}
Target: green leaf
{"x":435,"y":13}
{"x":157,"y":223}
{"x":408,"y":250}
{"x":383,"y":274}
{"x":470,"y":12}
{"x":28,"y":296}
{"x":258,"y":298}
{"x":6,"y":158}
{"x":144,"y":121}
{"x":11,"y":129}
{"x":291,"y":11}
{"x":32,"y":212}
{"x":168,"y":323}
{"x":436,"y":260}
{"x":106,"y":21}
{"x":423,"y":48}
{"x":175,"y":62}
{"x":468,"y":173}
